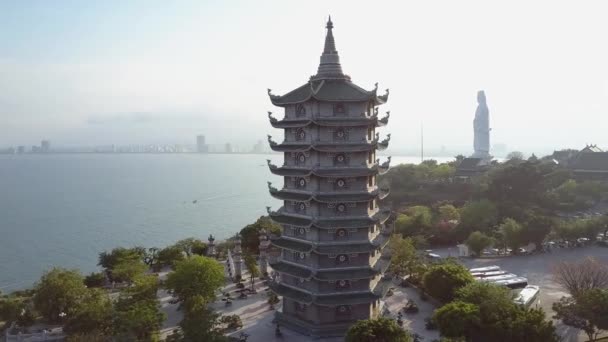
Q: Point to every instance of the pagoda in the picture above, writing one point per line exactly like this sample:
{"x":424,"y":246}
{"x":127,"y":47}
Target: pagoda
{"x":330,"y":270}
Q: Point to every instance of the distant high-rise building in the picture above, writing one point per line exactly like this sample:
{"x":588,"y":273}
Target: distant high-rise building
{"x":201,"y":146}
{"x":258,"y":147}
{"x":20,"y":149}
{"x":45,"y":146}
{"x":228,"y":148}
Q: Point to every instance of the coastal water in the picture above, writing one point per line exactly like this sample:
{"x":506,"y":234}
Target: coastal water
{"x":63,"y":209}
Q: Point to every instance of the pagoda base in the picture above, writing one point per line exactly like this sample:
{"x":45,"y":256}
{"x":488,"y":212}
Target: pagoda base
{"x":311,"y":329}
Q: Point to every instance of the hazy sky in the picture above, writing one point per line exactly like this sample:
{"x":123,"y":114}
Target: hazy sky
{"x":85,"y":72}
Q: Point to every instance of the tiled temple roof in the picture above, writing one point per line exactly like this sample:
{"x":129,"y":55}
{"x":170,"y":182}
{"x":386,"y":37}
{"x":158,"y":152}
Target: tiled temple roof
{"x":336,"y":90}
{"x":330,"y":146}
{"x":291,"y":293}
{"x":290,"y":269}
{"x":330,"y":197}
{"x":346,"y":299}
{"x":334,"y":172}
{"x":329,"y":222}
{"x":331,"y":121}
{"x":334,"y":248}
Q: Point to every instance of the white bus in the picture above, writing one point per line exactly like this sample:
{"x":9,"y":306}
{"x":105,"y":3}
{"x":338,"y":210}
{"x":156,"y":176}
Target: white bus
{"x":485,"y":269}
{"x":499,"y":277}
{"x":528,"y":296}
{"x":513,"y":283}
{"x":487,"y":274}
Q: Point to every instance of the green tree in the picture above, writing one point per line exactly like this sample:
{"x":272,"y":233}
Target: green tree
{"x":448,"y":212}
{"x":128,"y":270}
{"x":58,"y":291}
{"x":442,"y":280}
{"x":200,"y":323}
{"x":252,"y":267}
{"x":11,"y":308}
{"x":139,"y":321}
{"x":477,"y":216}
{"x":169,"y":256}
{"x":93,"y":315}
{"x":108,"y":260}
{"x":192,"y":246}
{"x":376,"y":330}
{"x":536,"y":229}
{"x":95,"y":280}
{"x":512,"y":233}
{"x":403,"y":256}
{"x":588,"y":312}
{"x":250,"y":234}
{"x":478,"y":241}
{"x":483,"y":292}
{"x":457,"y":319}
{"x":196,"y":276}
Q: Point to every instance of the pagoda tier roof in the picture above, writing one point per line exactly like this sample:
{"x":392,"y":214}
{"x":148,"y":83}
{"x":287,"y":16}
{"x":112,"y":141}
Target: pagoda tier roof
{"x":291,"y":293}
{"x":330,"y":172}
{"x":336,"y":248}
{"x":346,"y":299}
{"x":327,"y":275}
{"x":327,"y":197}
{"x":292,"y":270}
{"x":329,"y":222}
{"x":328,"y":90}
{"x":331,"y":121}
{"x":330,"y":146}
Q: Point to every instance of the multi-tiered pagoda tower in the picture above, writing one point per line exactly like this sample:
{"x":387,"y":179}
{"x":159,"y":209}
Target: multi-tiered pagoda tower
{"x":331,"y":264}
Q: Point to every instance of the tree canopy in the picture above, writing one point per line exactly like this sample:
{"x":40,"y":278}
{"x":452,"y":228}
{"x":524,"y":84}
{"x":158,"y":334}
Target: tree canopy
{"x":587,"y":311}
{"x":58,"y":291}
{"x":376,"y":330}
{"x":442,"y":280}
{"x":195,"y":276}
{"x":250,"y":234}
{"x":478,"y":241}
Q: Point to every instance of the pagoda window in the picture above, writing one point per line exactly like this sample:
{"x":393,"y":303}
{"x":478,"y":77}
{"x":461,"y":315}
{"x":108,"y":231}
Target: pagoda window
{"x":339,"y":108}
{"x":300,"y":231}
{"x":340,"y":183}
{"x":341,"y":208}
{"x":299,"y":256}
{"x":342,"y":284}
{"x":340,"y":134}
{"x":343,"y":311}
{"x":300,"y":207}
{"x":300,"y":158}
{"x":340,"y":159}
{"x":341,"y":234}
{"x":300,"y":134}
{"x":300,"y":109}
{"x":299,"y":307}
{"x":342,"y":259}
{"x":301,"y":183}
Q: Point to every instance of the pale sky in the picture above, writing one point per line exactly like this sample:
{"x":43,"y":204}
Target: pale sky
{"x":103,"y":72}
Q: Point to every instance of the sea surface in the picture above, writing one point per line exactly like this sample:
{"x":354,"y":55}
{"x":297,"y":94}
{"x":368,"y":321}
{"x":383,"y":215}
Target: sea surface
{"x":64,"y":209}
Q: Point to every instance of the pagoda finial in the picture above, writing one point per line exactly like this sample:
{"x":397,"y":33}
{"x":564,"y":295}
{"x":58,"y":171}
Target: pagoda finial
{"x":330,"y":68}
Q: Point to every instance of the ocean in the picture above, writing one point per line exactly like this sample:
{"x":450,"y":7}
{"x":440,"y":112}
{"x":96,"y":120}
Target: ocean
{"x":64,"y":209}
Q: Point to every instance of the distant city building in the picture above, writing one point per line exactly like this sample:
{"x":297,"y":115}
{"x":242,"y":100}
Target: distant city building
{"x":201,"y":145}
{"x":20,"y":149}
{"x":330,"y":272}
{"x":228,"y":148}
{"x":45,"y":146}
{"x":258,"y":147}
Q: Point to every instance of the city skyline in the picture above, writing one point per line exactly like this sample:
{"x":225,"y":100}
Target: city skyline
{"x":134,"y":73}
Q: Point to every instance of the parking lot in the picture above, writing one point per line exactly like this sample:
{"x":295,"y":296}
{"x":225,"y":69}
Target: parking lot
{"x":537,"y":268}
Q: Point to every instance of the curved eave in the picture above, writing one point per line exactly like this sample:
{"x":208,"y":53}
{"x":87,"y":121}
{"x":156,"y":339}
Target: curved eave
{"x":382,"y":145}
{"x":292,"y":245}
{"x":291,"y":293}
{"x":291,"y":270}
{"x":337,"y":147}
{"x":347,"y":274}
{"x":346,"y":299}
{"x":291,"y":220}
{"x":289,"y":195}
{"x":290,"y":123}
{"x":320,"y":172}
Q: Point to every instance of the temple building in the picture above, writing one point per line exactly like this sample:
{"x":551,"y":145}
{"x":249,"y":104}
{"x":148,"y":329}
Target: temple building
{"x":330,"y":270}
{"x":590,"y":163}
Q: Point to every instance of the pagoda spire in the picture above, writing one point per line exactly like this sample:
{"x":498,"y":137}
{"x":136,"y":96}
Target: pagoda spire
{"x":329,"y":66}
